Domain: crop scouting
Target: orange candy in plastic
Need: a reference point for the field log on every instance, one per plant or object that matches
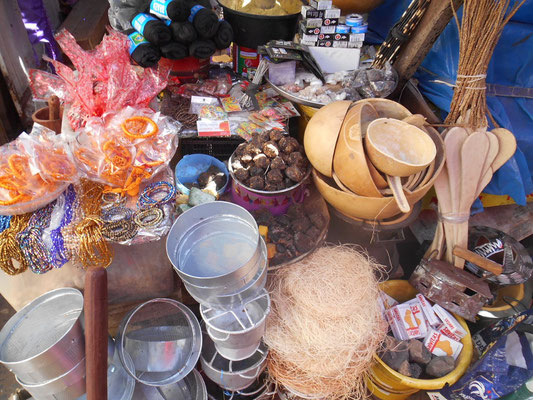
(135, 127)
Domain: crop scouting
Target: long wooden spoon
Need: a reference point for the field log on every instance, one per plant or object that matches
(473, 154)
(453, 142)
(507, 146)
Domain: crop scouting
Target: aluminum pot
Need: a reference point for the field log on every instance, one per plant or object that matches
(210, 297)
(232, 375)
(237, 333)
(192, 387)
(215, 245)
(44, 340)
(68, 386)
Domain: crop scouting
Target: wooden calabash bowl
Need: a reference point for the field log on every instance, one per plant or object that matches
(397, 148)
(321, 135)
(349, 161)
(375, 208)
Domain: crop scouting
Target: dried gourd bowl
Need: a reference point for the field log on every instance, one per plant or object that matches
(320, 140)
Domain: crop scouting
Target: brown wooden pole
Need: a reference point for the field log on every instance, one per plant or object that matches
(437, 16)
(95, 303)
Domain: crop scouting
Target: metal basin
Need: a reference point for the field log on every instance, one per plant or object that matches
(232, 375)
(215, 245)
(192, 387)
(68, 386)
(233, 298)
(163, 339)
(44, 340)
(237, 333)
(150, 347)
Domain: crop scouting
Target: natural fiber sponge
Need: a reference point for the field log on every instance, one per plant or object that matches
(325, 324)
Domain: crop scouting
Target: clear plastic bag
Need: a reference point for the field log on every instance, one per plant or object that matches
(129, 208)
(104, 80)
(34, 169)
(126, 148)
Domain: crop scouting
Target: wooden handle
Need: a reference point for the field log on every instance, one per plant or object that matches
(395, 185)
(482, 262)
(95, 302)
(53, 108)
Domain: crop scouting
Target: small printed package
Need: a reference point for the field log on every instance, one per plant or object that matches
(385, 301)
(451, 323)
(411, 319)
(310, 12)
(442, 328)
(312, 23)
(441, 345)
(321, 4)
(394, 324)
(430, 315)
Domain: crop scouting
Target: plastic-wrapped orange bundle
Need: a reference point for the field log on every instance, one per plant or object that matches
(124, 149)
(34, 169)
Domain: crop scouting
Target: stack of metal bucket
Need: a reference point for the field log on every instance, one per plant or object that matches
(217, 251)
(44, 346)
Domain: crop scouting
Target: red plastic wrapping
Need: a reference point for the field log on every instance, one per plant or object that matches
(104, 79)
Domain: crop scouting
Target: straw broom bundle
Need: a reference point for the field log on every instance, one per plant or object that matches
(480, 31)
(471, 152)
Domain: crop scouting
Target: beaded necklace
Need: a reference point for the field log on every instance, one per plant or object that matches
(5, 221)
(35, 252)
(93, 249)
(58, 251)
(9, 246)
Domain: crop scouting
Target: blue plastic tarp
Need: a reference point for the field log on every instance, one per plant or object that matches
(509, 86)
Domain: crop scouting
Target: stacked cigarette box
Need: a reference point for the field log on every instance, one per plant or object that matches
(323, 26)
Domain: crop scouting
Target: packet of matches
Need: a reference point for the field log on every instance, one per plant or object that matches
(430, 315)
(441, 345)
(411, 320)
(451, 323)
(394, 325)
(442, 328)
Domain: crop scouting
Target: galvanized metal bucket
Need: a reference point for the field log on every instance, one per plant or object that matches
(237, 333)
(215, 245)
(232, 375)
(210, 297)
(68, 386)
(192, 387)
(44, 340)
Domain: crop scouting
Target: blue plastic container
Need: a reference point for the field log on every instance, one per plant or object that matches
(190, 167)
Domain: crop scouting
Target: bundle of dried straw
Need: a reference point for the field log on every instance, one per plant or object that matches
(482, 25)
(325, 325)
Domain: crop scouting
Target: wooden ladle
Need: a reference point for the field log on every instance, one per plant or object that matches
(398, 149)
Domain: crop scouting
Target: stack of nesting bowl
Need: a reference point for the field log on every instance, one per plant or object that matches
(218, 253)
(345, 176)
